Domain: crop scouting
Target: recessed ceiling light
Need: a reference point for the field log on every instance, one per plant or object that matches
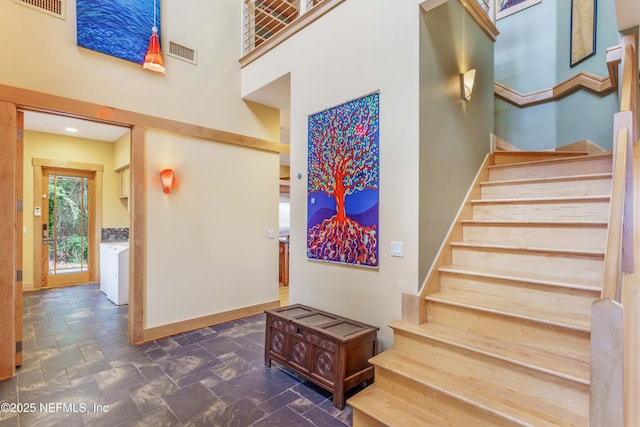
(73, 130)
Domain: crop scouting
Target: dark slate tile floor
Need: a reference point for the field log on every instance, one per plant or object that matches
(79, 370)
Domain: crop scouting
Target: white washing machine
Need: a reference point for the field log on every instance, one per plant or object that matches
(114, 271)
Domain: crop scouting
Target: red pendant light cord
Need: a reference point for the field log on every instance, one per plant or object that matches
(153, 59)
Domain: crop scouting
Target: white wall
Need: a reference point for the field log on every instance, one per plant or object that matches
(207, 247)
(359, 47)
(39, 52)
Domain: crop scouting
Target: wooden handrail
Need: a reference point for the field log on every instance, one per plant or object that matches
(607, 387)
(613, 254)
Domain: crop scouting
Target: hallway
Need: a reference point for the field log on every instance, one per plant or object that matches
(80, 370)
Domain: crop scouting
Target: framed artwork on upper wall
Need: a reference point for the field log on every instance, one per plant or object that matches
(342, 186)
(509, 7)
(117, 28)
(583, 30)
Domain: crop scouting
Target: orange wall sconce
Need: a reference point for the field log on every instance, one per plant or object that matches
(166, 178)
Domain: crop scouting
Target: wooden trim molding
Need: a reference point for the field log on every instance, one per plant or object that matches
(95, 223)
(583, 79)
(37, 101)
(202, 322)
(481, 18)
(287, 32)
(8, 152)
(137, 237)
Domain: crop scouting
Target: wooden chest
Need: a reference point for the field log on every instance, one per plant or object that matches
(326, 349)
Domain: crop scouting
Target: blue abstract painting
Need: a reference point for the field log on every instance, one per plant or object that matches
(119, 28)
(342, 187)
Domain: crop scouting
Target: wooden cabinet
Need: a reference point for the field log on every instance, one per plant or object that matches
(125, 181)
(328, 350)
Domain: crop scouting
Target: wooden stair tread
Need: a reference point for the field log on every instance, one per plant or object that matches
(548, 179)
(522, 276)
(497, 247)
(535, 223)
(548, 315)
(552, 161)
(392, 410)
(478, 389)
(528, 356)
(603, 197)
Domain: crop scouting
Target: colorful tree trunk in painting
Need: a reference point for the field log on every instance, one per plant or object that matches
(343, 183)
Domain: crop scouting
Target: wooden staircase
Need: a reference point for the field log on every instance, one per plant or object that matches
(506, 340)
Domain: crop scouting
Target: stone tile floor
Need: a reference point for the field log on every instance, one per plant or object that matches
(79, 370)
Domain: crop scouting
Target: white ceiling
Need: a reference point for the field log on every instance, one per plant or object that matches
(51, 123)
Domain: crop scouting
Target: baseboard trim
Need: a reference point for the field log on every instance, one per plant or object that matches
(163, 331)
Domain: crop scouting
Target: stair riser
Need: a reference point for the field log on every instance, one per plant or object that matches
(571, 301)
(510, 157)
(360, 419)
(566, 266)
(552, 169)
(588, 238)
(566, 342)
(567, 398)
(456, 411)
(543, 211)
(572, 188)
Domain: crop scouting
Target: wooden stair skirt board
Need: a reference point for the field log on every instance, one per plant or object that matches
(506, 340)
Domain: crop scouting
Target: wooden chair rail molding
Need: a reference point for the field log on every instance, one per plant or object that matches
(581, 80)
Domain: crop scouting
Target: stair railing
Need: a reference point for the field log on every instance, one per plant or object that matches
(615, 370)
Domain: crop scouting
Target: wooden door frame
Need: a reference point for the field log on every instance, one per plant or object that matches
(19, 233)
(13, 98)
(8, 238)
(95, 210)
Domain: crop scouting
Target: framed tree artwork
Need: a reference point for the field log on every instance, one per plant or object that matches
(583, 30)
(343, 179)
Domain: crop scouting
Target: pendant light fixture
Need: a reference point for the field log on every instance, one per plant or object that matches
(153, 59)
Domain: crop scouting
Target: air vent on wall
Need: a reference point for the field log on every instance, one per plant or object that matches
(182, 52)
(55, 8)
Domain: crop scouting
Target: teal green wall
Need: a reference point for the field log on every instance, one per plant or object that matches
(532, 54)
(454, 133)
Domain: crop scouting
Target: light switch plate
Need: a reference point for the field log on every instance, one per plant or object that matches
(271, 234)
(397, 249)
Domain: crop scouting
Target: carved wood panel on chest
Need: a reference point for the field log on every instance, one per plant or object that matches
(329, 350)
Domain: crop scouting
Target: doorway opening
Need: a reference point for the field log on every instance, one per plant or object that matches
(66, 227)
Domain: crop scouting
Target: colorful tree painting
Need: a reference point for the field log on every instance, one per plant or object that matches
(342, 222)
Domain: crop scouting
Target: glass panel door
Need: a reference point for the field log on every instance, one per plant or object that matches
(66, 230)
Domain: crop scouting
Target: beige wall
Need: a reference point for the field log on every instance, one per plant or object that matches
(207, 242)
(348, 53)
(46, 59)
(63, 148)
(229, 196)
(357, 49)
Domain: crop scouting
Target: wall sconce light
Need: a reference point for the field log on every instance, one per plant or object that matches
(466, 84)
(153, 59)
(166, 177)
